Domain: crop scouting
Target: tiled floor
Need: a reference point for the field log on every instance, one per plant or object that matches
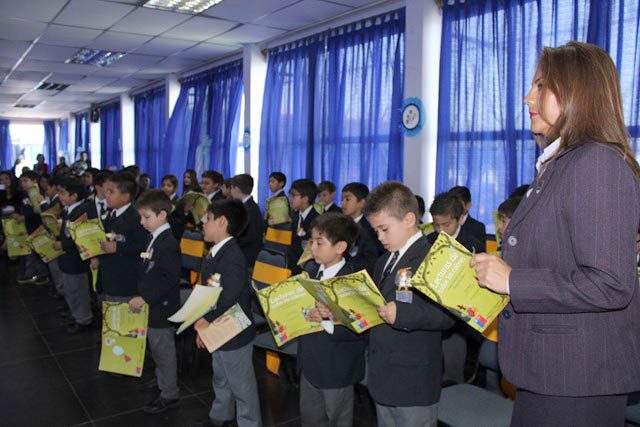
(49, 378)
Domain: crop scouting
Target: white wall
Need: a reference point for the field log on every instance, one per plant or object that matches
(127, 114)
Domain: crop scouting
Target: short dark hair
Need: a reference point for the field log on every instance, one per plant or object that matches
(44, 176)
(125, 182)
(327, 186)
(306, 188)
(145, 175)
(172, 179)
(154, 200)
(280, 177)
(520, 191)
(509, 206)
(101, 177)
(394, 198)
(337, 227)
(73, 185)
(358, 189)
(227, 182)
(234, 211)
(92, 171)
(133, 170)
(422, 208)
(447, 204)
(214, 176)
(461, 193)
(244, 182)
(29, 174)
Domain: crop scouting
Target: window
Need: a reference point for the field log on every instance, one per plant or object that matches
(28, 141)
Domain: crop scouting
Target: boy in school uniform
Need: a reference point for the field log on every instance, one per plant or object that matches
(118, 268)
(404, 370)
(447, 214)
(367, 248)
(250, 239)
(159, 287)
(52, 200)
(170, 188)
(234, 381)
(98, 203)
(226, 188)
(302, 194)
(332, 361)
(505, 212)
(327, 195)
(211, 183)
(75, 271)
(470, 225)
(277, 181)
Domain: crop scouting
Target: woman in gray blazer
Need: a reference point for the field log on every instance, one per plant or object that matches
(570, 337)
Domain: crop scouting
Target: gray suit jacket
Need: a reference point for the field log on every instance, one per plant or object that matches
(573, 325)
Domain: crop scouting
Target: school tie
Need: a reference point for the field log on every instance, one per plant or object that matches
(392, 263)
(101, 206)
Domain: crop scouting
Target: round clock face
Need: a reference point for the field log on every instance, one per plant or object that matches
(411, 116)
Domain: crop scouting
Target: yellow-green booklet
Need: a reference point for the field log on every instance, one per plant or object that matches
(427, 228)
(202, 300)
(200, 204)
(353, 299)
(446, 277)
(278, 211)
(35, 198)
(124, 339)
(286, 305)
(16, 234)
(52, 223)
(41, 242)
(87, 235)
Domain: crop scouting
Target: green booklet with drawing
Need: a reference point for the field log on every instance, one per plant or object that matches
(278, 211)
(87, 235)
(199, 202)
(427, 228)
(446, 277)
(124, 338)
(41, 242)
(286, 305)
(202, 300)
(16, 235)
(353, 299)
(35, 198)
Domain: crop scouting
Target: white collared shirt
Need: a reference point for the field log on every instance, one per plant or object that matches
(212, 195)
(278, 193)
(121, 210)
(216, 248)
(463, 219)
(173, 196)
(326, 208)
(246, 199)
(548, 152)
(357, 220)
(156, 233)
(404, 249)
(73, 206)
(457, 233)
(303, 215)
(331, 272)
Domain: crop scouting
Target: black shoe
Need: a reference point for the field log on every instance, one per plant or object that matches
(77, 328)
(27, 280)
(40, 280)
(160, 405)
(149, 386)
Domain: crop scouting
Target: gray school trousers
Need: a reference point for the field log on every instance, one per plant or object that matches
(56, 275)
(235, 387)
(325, 407)
(401, 416)
(163, 351)
(76, 293)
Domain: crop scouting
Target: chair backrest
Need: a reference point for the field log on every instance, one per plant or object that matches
(278, 238)
(192, 247)
(492, 246)
(488, 357)
(270, 268)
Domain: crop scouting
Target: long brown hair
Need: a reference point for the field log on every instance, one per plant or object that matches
(585, 82)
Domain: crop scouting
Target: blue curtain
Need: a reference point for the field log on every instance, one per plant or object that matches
(50, 144)
(6, 149)
(110, 136)
(195, 122)
(83, 135)
(63, 140)
(332, 105)
(488, 58)
(150, 124)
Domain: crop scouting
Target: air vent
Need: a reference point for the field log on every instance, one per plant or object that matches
(58, 87)
(25, 105)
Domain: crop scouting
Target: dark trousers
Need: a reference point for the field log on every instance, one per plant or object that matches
(537, 410)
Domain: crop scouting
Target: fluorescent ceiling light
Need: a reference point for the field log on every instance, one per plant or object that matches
(193, 7)
(101, 58)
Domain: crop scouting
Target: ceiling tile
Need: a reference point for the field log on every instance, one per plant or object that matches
(66, 78)
(19, 84)
(354, 3)
(69, 36)
(135, 61)
(35, 10)
(51, 53)
(8, 98)
(113, 89)
(118, 42)
(149, 21)
(128, 81)
(200, 28)
(7, 62)
(174, 64)
(164, 46)
(301, 14)
(20, 29)
(14, 49)
(29, 75)
(247, 33)
(207, 51)
(246, 10)
(92, 13)
(8, 90)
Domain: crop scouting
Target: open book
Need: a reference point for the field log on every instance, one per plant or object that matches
(202, 300)
(224, 328)
(87, 235)
(42, 243)
(446, 277)
(199, 202)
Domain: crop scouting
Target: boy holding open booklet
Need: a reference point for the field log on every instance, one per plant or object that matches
(234, 381)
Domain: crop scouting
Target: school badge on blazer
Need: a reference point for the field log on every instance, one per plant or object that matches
(403, 282)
